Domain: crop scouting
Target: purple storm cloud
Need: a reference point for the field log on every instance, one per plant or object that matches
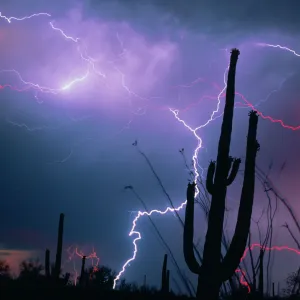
(96, 77)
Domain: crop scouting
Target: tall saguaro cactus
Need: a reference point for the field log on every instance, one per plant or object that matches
(59, 246)
(220, 175)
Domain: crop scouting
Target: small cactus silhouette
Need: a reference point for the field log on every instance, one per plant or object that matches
(165, 276)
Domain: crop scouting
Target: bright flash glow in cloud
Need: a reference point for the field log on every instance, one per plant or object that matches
(104, 61)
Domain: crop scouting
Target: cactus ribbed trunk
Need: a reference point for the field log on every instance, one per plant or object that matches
(220, 175)
(168, 281)
(47, 263)
(212, 247)
(59, 246)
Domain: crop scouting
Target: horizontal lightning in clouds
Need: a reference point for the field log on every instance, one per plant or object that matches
(280, 47)
(9, 19)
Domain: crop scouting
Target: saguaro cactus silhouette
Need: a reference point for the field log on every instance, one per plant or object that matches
(82, 273)
(59, 246)
(47, 263)
(165, 276)
(168, 281)
(220, 175)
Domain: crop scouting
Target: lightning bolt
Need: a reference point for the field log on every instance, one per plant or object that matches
(140, 214)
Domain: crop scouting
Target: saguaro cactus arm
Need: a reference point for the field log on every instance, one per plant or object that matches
(210, 177)
(229, 163)
(188, 232)
(234, 170)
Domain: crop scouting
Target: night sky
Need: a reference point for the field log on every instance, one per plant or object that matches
(68, 147)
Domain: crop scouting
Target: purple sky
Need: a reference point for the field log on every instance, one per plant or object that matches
(68, 147)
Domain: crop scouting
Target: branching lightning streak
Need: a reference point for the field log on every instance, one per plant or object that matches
(74, 251)
(91, 63)
(89, 60)
(133, 231)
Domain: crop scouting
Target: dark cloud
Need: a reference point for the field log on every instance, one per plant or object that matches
(214, 16)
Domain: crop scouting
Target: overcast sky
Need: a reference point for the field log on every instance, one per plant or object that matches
(67, 145)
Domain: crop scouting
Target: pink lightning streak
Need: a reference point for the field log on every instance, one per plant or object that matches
(73, 252)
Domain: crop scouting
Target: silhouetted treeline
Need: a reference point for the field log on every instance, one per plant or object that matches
(33, 283)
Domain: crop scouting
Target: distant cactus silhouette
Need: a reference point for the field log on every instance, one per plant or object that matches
(168, 281)
(165, 276)
(66, 278)
(57, 268)
(220, 174)
(82, 273)
(47, 263)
